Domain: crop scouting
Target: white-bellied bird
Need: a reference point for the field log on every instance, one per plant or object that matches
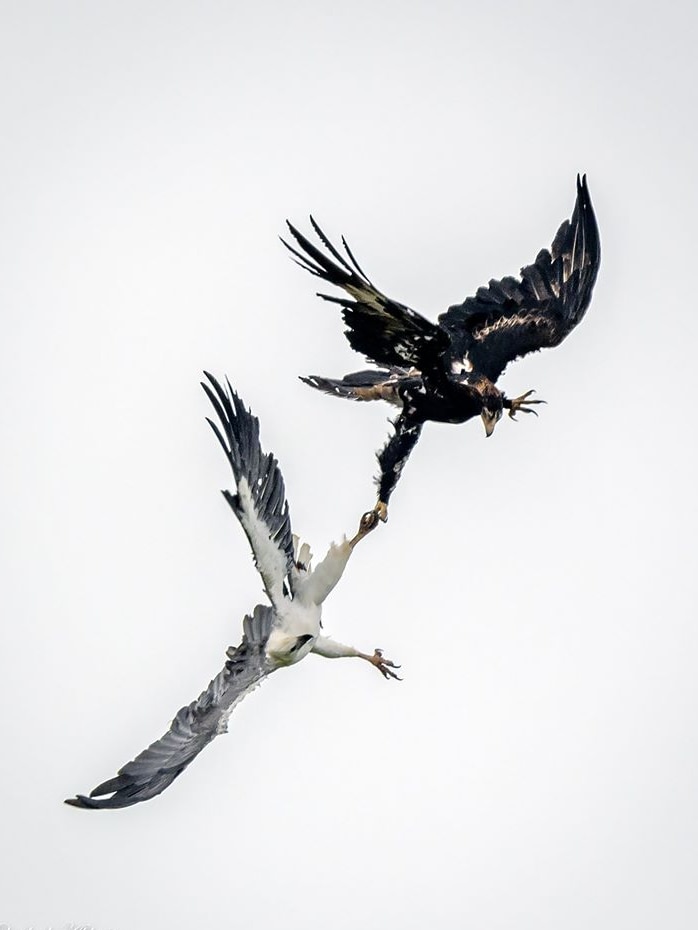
(275, 635)
(447, 371)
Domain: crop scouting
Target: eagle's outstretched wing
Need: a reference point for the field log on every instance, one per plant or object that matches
(385, 331)
(260, 502)
(512, 317)
(194, 727)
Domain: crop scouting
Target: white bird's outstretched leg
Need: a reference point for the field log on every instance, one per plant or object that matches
(326, 575)
(369, 521)
(331, 649)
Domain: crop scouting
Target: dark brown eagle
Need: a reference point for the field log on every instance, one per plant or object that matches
(447, 371)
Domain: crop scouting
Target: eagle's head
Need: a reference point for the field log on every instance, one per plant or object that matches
(490, 418)
(491, 401)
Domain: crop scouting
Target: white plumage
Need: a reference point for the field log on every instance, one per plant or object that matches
(273, 636)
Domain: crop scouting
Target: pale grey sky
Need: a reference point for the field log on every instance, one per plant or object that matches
(537, 768)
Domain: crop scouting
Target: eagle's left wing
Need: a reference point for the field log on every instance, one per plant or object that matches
(195, 725)
(260, 502)
(384, 330)
(513, 317)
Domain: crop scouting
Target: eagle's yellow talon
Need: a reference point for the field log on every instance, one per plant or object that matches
(521, 404)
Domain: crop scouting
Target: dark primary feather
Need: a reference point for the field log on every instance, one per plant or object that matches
(515, 316)
(239, 437)
(385, 331)
(194, 726)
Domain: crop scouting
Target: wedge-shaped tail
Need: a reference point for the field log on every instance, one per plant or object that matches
(360, 385)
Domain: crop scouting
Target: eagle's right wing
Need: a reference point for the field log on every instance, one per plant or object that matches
(194, 727)
(515, 316)
(260, 502)
(385, 331)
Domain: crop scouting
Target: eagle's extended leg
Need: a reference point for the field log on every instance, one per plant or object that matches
(392, 458)
(521, 404)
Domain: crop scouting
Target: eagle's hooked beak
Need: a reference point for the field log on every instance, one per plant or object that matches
(490, 421)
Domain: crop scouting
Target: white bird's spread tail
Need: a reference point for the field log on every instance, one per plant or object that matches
(302, 555)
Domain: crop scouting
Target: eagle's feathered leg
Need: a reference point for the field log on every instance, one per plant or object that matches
(392, 458)
(521, 404)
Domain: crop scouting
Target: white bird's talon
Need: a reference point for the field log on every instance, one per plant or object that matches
(384, 666)
(368, 523)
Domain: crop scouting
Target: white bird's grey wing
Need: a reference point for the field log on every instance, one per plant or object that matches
(260, 500)
(195, 725)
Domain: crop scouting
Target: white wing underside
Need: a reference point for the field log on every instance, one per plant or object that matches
(270, 560)
(259, 501)
(316, 585)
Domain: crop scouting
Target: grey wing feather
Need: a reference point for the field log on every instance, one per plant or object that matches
(385, 331)
(194, 726)
(515, 316)
(260, 499)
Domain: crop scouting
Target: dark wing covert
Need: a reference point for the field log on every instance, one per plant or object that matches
(385, 331)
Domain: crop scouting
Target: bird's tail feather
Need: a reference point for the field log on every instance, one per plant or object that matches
(360, 385)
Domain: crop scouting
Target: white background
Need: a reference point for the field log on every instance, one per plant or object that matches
(537, 767)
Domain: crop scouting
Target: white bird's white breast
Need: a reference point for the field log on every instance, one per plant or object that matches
(298, 619)
(294, 620)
